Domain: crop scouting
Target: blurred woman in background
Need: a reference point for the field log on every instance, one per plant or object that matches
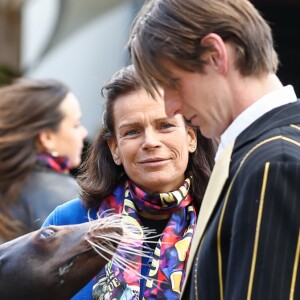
(41, 139)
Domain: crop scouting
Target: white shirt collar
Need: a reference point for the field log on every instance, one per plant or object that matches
(268, 102)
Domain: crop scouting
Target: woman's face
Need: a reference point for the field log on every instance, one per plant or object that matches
(153, 149)
(68, 140)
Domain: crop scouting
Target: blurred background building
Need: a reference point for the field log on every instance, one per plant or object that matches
(81, 42)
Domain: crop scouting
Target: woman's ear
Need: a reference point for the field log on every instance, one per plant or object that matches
(46, 141)
(217, 54)
(113, 147)
(192, 140)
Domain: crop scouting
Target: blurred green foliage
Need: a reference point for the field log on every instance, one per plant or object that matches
(7, 75)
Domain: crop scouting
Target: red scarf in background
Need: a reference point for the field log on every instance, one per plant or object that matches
(57, 163)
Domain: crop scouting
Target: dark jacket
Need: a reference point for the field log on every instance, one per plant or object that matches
(43, 191)
(251, 246)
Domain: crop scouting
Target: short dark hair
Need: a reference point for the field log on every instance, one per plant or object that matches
(99, 173)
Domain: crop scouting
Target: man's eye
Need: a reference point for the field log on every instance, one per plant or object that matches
(174, 84)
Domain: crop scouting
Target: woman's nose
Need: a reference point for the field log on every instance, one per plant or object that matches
(151, 139)
(84, 132)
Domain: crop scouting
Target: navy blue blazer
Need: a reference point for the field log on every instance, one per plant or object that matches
(251, 246)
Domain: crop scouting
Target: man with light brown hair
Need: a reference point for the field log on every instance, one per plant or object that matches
(216, 64)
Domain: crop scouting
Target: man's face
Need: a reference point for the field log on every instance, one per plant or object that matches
(199, 97)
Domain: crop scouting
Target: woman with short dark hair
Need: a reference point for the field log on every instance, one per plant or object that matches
(152, 170)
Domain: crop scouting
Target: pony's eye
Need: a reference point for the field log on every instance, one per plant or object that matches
(47, 233)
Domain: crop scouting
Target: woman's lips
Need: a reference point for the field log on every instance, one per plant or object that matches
(154, 161)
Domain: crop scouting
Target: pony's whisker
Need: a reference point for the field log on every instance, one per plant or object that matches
(132, 240)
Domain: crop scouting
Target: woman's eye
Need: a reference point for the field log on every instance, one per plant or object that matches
(130, 132)
(77, 125)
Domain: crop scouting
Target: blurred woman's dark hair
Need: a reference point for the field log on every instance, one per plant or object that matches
(26, 108)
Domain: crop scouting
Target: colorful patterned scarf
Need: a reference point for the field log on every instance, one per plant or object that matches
(166, 272)
(57, 163)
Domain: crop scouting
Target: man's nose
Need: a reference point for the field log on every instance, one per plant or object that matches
(172, 104)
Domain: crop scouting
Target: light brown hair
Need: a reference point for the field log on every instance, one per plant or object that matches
(173, 29)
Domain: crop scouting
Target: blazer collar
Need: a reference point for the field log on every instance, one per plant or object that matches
(278, 117)
(217, 180)
(281, 116)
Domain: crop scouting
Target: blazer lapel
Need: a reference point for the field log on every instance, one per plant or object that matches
(217, 180)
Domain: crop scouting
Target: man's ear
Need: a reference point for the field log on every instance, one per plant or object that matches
(218, 53)
(113, 147)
